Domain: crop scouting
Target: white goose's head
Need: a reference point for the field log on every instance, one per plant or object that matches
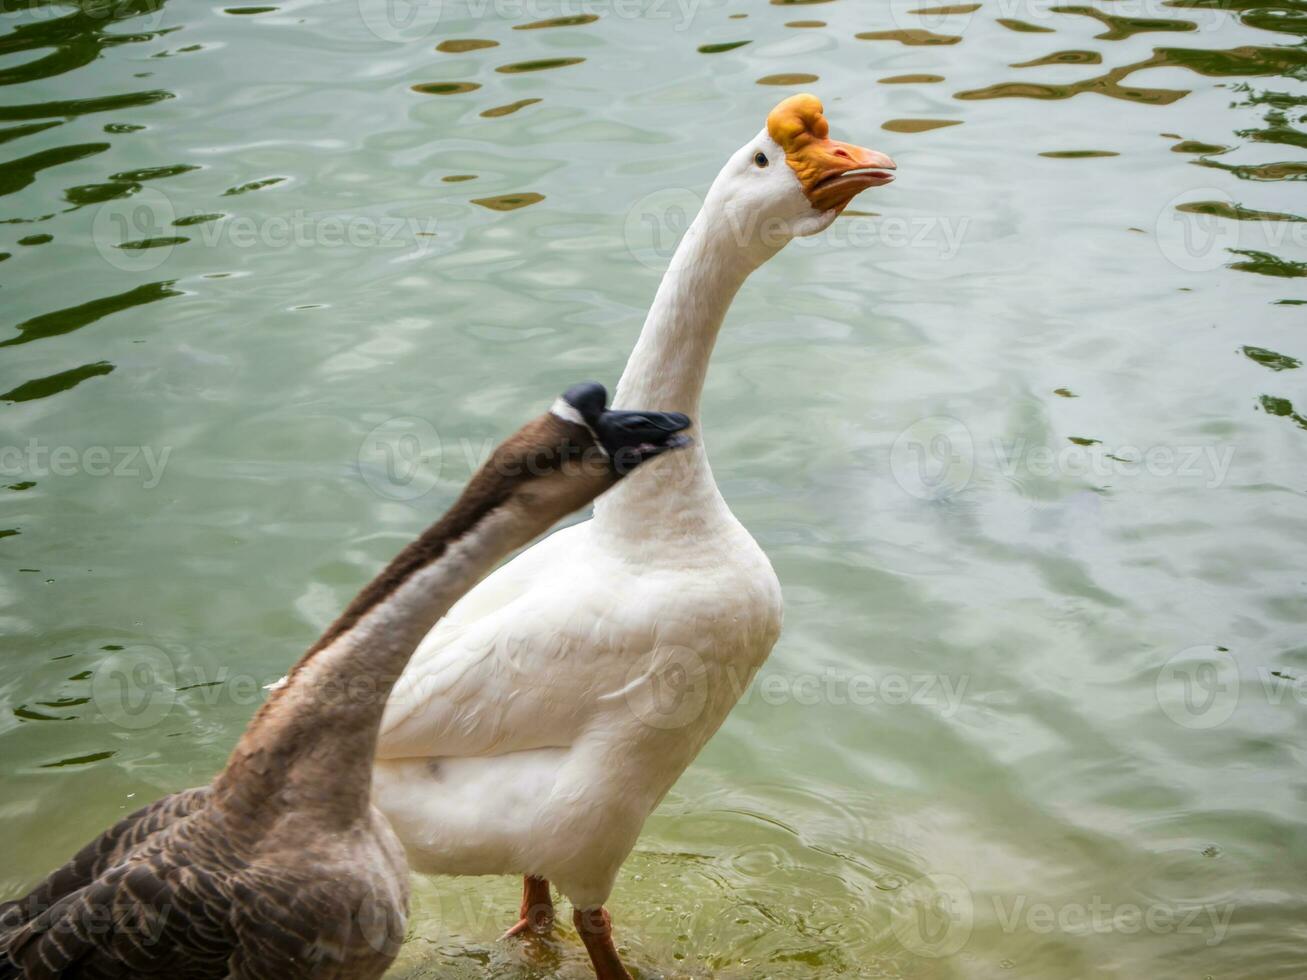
(792, 179)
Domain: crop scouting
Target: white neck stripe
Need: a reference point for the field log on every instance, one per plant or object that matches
(568, 413)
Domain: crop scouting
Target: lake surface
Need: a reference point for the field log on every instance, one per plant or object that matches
(1026, 440)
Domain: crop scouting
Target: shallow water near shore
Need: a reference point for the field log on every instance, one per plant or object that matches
(1024, 434)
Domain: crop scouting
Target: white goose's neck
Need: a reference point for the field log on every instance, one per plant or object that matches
(676, 496)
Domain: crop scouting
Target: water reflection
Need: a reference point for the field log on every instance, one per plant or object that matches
(1078, 351)
(788, 78)
(576, 20)
(1271, 359)
(1062, 58)
(1119, 28)
(77, 38)
(913, 37)
(509, 202)
(53, 384)
(1023, 27)
(59, 322)
(1266, 264)
(462, 46)
(508, 110)
(445, 88)
(1077, 154)
(917, 125)
(540, 64)
(722, 47)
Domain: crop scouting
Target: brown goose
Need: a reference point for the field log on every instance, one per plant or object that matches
(281, 867)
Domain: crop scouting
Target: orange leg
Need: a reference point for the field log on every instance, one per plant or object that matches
(537, 913)
(596, 929)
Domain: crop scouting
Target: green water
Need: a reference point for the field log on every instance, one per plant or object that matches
(1027, 445)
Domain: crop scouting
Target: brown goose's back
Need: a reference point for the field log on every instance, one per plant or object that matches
(180, 890)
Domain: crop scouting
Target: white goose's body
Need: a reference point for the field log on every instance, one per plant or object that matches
(537, 727)
(556, 744)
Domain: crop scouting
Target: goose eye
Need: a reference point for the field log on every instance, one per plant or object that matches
(760, 158)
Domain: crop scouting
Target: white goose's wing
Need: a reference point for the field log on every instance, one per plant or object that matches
(517, 664)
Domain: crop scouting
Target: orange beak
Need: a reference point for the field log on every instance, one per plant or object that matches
(834, 173)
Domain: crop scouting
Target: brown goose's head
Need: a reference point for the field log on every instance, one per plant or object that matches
(562, 460)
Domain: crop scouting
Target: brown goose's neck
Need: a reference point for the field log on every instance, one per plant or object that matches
(311, 746)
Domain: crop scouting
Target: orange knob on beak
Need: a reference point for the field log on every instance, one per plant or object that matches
(831, 173)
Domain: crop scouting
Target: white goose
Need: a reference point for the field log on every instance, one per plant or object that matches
(539, 724)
